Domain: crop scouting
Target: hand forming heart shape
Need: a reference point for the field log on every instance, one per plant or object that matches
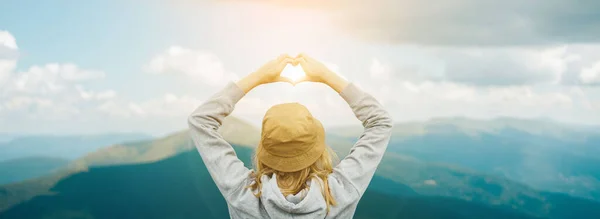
(309, 70)
(285, 69)
(293, 72)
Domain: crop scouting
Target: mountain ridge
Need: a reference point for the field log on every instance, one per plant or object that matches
(63, 146)
(419, 175)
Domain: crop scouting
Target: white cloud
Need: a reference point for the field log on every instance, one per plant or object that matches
(379, 71)
(490, 66)
(8, 40)
(477, 82)
(413, 98)
(198, 65)
(44, 92)
(170, 105)
(409, 99)
(71, 72)
(6, 67)
(107, 94)
(113, 109)
(136, 109)
(167, 106)
(58, 92)
(49, 78)
(8, 45)
(92, 95)
(591, 75)
(504, 66)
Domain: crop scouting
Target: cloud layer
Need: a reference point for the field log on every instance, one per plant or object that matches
(506, 66)
(421, 59)
(53, 91)
(463, 22)
(197, 65)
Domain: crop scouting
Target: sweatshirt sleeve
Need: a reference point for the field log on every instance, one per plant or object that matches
(225, 168)
(364, 157)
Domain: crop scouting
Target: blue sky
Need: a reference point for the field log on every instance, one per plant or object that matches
(106, 66)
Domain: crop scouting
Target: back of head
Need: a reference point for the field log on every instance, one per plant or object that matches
(292, 147)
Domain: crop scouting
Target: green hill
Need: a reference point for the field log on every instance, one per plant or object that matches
(126, 153)
(177, 188)
(25, 168)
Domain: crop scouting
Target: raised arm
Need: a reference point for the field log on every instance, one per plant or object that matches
(359, 166)
(220, 159)
(228, 172)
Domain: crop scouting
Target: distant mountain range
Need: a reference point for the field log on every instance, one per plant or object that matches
(20, 169)
(543, 154)
(440, 169)
(66, 147)
(5, 137)
(25, 157)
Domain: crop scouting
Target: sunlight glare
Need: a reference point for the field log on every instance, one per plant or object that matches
(295, 73)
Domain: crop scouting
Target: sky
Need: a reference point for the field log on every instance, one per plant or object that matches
(69, 67)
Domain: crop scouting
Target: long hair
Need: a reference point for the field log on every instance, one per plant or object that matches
(294, 182)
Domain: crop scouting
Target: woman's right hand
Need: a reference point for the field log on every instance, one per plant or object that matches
(317, 72)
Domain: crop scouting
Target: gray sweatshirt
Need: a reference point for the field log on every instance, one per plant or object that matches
(347, 183)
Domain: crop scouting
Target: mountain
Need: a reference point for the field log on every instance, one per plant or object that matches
(543, 154)
(28, 157)
(30, 167)
(5, 137)
(177, 187)
(165, 178)
(67, 147)
(125, 153)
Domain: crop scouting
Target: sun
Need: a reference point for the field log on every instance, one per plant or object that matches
(295, 73)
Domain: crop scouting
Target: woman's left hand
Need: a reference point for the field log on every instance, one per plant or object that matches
(268, 73)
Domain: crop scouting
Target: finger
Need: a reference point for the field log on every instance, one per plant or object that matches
(280, 58)
(300, 55)
(295, 61)
(289, 60)
(285, 62)
(283, 57)
(301, 61)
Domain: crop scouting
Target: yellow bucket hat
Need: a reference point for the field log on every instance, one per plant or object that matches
(292, 139)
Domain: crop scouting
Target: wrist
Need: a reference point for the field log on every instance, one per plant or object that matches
(249, 82)
(335, 81)
(327, 77)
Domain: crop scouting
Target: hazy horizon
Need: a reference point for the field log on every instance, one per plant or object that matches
(13, 135)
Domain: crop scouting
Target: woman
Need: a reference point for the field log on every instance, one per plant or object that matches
(293, 176)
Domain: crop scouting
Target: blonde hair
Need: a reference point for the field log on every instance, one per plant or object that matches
(294, 182)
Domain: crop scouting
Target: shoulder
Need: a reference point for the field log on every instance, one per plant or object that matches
(243, 197)
(340, 186)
